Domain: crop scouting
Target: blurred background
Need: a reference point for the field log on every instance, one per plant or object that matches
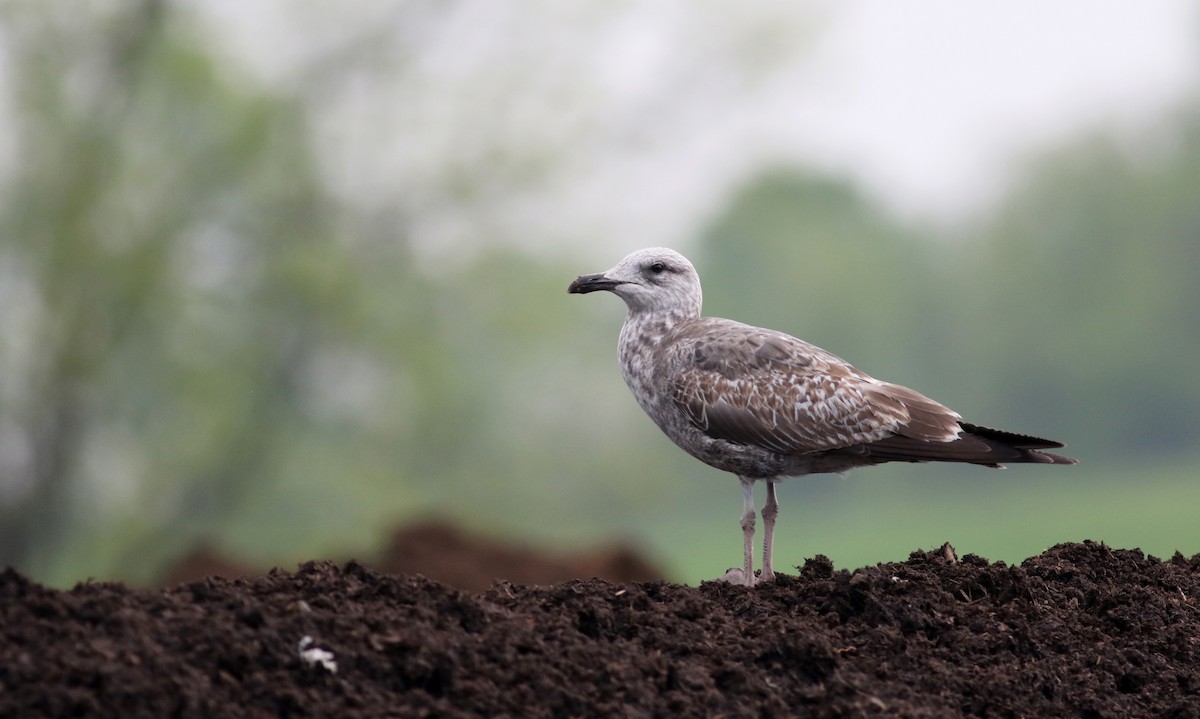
(278, 277)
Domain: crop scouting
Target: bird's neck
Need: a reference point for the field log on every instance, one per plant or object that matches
(645, 330)
(641, 337)
(650, 326)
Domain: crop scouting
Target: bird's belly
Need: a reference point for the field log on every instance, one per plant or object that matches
(755, 462)
(750, 461)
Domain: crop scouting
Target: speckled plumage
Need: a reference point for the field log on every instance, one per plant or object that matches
(763, 404)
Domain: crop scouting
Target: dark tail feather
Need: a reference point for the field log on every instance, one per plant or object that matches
(1023, 443)
(976, 445)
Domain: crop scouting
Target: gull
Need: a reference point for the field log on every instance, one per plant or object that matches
(764, 405)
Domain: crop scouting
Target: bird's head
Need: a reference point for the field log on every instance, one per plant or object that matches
(650, 280)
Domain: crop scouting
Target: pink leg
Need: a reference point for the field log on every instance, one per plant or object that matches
(748, 530)
(770, 510)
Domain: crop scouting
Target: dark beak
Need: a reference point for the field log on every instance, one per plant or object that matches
(592, 283)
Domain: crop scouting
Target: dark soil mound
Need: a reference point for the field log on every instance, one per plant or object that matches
(440, 550)
(1080, 631)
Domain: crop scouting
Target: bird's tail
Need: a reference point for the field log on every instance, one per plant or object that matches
(1026, 446)
(976, 445)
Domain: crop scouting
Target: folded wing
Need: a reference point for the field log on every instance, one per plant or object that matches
(767, 389)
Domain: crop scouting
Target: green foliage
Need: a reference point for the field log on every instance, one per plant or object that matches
(170, 227)
(1090, 266)
(217, 351)
(1071, 313)
(812, 257)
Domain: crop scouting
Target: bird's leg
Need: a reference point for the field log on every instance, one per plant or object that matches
(748, 530)
(770, 510)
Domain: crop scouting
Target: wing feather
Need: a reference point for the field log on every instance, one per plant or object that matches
(764, 388)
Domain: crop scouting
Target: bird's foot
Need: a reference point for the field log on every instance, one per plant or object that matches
(735, 575)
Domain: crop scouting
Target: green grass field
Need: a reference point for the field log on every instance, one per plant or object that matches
(883, 513)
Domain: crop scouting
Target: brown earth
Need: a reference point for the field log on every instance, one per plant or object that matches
(438, 549)
(1079, 631)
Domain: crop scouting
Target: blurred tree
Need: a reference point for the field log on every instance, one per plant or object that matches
(811, 256)
(1097, 250)
(1070, 312)
(200, 344)
(169, 245)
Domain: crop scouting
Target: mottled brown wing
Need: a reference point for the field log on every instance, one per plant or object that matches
(754, 386)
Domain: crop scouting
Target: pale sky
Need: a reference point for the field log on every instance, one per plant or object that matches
(623, 125)
(928, 101)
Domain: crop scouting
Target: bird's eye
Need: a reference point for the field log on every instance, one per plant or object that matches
(658, 268)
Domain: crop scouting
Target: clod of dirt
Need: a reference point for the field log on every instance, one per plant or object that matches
(1081, 630)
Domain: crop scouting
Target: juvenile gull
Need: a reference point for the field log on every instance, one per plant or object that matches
(765, 405)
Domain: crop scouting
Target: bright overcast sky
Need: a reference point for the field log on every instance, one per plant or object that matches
(648, 108)
(927, 100)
